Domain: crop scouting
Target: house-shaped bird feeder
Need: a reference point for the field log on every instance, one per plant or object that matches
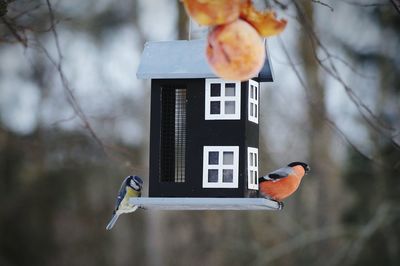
(203, 132)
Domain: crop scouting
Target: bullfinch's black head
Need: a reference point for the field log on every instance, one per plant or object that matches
(135, 182)
(304, 165)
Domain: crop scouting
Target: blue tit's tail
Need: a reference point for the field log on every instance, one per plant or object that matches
(114, 219)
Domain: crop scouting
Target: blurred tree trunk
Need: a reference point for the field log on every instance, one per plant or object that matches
(156, 222)
(322, 208)
(153, 220)
(182, 23)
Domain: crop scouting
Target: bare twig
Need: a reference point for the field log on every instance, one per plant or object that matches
(70, 96)
(55, 123)
(14, 32)
(367, 114)
(350, 250)
(367, 231)
(348, 65)
(323, 4)
(280, 4)
(300, 241)
(314, 106)
(396, 4)
(23, 13)
(337, 257)
(111, 151)
(53, 30)
(359, 4)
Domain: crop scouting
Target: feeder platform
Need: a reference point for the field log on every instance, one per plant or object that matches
(205, 203)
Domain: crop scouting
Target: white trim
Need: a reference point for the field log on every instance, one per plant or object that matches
(221, 166)
(252, 168)
(222, 99)
(254, 98)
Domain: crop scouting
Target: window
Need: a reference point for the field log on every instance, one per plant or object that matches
(220, 166)
(252, 168)
(173, 135)
(253, 101)
(222, 100)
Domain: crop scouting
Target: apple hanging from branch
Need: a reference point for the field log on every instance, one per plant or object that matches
(235, 50)
(212, 12)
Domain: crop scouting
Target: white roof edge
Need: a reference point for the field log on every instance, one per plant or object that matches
(182, 59)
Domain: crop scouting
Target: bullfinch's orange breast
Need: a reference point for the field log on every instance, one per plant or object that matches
(280, 189)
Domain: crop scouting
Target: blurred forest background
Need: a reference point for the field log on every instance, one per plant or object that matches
(74, 121)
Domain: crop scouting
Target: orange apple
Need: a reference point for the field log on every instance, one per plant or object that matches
(265, 22)
(235, 51)
(212, 12)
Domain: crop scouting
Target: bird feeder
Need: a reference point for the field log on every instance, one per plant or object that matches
(204, 132)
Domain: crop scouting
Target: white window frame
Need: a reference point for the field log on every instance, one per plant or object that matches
(254, 102)
(222, 99)
(220, 166)
(252, 169)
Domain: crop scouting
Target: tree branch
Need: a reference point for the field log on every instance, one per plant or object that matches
(323, 4)
(112, 152)
(300, 241)
(367, 114)
(70, 96)
(363, 4)
(314, 106)
(396, 4)
(281, 5)
(14, 32)
(365, 232)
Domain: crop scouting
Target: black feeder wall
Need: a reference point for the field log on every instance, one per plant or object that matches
(194, 115)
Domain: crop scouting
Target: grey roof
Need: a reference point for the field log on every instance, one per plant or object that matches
(182, 59)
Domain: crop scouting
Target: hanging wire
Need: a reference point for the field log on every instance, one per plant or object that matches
(190, 28)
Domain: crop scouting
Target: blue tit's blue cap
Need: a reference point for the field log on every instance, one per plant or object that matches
(138, 180)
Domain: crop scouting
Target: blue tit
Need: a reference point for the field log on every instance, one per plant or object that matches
(131, 187)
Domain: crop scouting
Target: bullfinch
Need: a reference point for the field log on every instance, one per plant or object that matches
(131, 187)
(281, 183)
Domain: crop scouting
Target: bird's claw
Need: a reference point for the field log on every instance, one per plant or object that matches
(280, 204)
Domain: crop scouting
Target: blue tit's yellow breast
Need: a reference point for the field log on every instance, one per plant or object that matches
(130, 192)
